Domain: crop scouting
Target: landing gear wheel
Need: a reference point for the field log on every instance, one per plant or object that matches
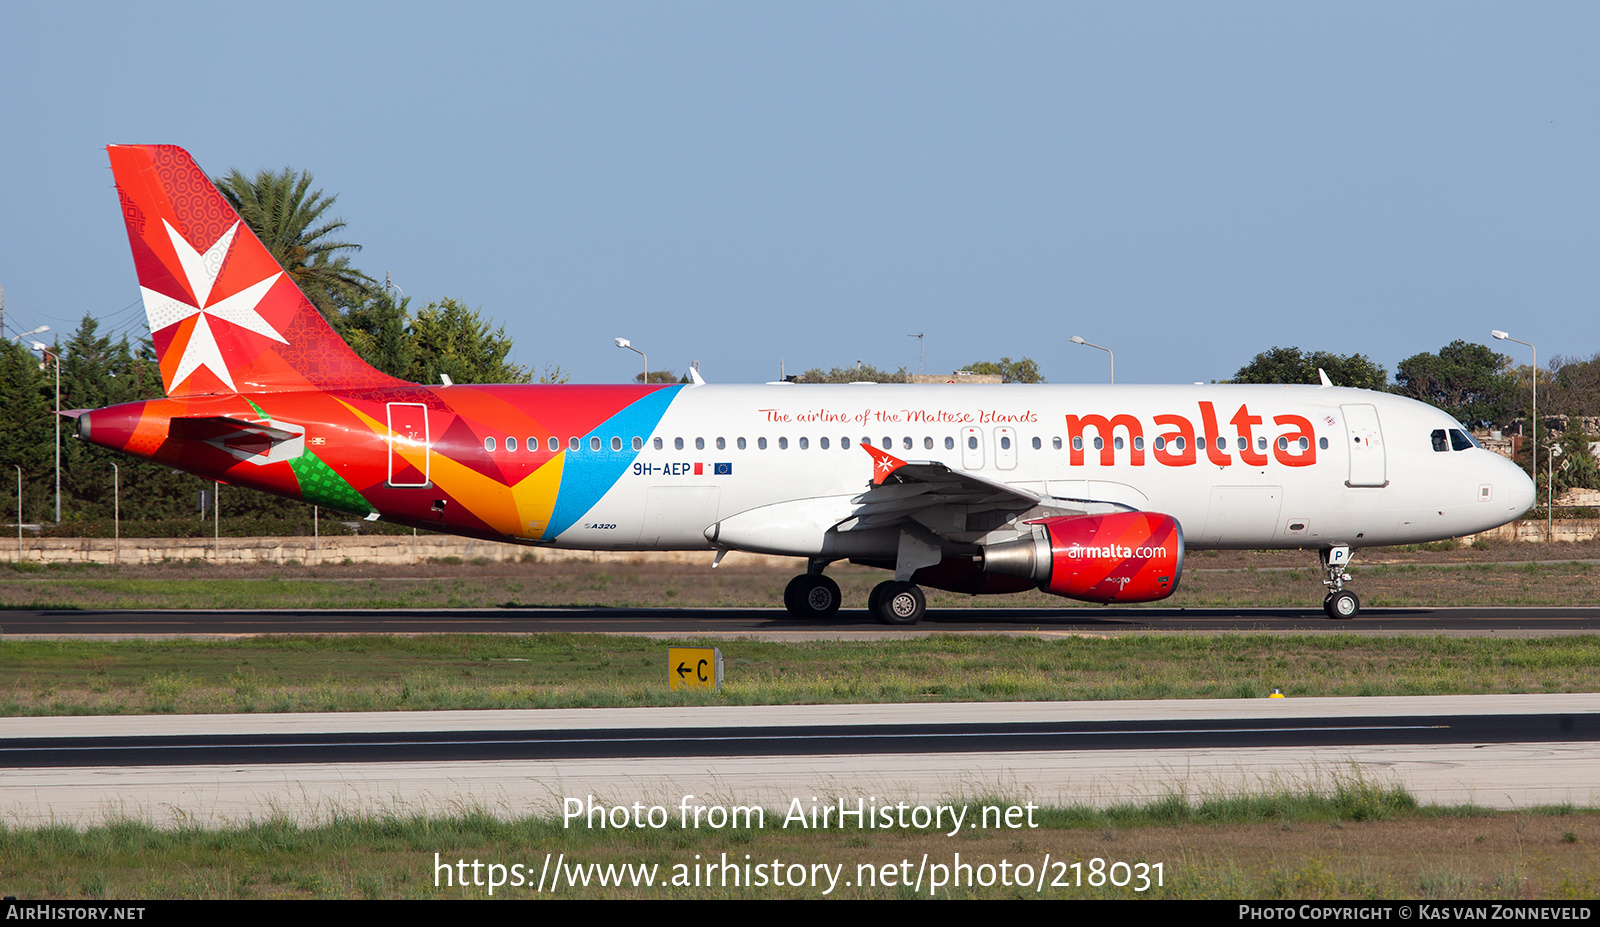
(1341, 605)
(900, 603)
(811, 595)
(875, 597)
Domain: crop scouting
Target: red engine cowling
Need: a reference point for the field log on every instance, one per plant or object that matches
(1120, 557)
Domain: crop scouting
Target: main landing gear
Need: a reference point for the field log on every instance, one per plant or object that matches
(812, 596)
(896, 602)
(1340, 602)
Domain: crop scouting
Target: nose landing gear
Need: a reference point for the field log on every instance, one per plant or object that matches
(1340, 603)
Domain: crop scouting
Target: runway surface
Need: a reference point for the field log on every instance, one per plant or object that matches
(848, 624)
(1499, 751)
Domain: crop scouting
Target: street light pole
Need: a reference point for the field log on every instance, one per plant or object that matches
(1077, 340)
(43, 349)
(116, 513)
(1533, 461)
(625, 343)
(1550, 492)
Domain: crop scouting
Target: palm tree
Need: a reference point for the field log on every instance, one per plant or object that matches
(284, 212)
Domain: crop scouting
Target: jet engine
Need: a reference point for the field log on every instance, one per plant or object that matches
(1119, 557)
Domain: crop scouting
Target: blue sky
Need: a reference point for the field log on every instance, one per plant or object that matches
(748, 184)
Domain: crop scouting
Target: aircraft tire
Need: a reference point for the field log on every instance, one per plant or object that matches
(901, 603)
(811, 596)
(875, 597)
(1341, 606)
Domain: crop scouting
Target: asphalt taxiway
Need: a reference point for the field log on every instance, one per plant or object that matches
(738, 622)
(1505, 751)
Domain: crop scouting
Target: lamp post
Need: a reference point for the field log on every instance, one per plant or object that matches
(1533, 461)
(1077, 340)
(116, 513)
(39, 330)
(42, 348)
(625, 343)
(1550, 491)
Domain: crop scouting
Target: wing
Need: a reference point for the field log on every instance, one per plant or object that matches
(955, 504)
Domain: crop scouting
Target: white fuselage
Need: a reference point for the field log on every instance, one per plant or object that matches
(778, 468)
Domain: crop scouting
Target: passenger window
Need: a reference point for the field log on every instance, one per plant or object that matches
(1037, 444)
(722, 444)
(887, 443)
(822, 443)
(677, 444)
(1243, 444)
(805, 443)
(1055, 443)
(927, 444)
(1305, 444)
(1077, 442)
(844, 443)
(699, 444)
(616, 443)
(972, 442)
(761, 444)
(594, 443)
(1283, 444)
(572, 443)
(1322, 443)
(1117, 443)
(1161, 443)
(1261, 443)
(905, 443)
(488, 443)
(741, 444)
(949, 444)
(1138, 443)
(783, 444)
(1005, 443)
(1180, 443)
(1099, 443)
(657, 444)
(511, 443)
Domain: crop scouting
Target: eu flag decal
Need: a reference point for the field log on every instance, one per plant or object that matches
(722, 469)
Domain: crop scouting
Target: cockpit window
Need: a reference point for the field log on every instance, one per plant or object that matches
(1440, 442)
(1460, 440)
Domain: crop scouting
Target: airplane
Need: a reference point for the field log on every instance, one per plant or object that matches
(1092, 493)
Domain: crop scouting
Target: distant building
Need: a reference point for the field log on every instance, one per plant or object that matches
(960, 376)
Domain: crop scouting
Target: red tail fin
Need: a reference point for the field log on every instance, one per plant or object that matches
(224, 316)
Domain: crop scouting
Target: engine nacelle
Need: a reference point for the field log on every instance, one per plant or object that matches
(1120, 557)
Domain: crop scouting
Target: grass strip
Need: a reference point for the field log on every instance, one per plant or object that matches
(1342, 838)
(1212, 579)
(456, 671)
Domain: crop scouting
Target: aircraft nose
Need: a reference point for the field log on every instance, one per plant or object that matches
(1513, 488)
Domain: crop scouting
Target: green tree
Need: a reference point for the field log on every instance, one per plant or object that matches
(1009, 371)
(450, 339)
(1572, 387)
(658, 376)
(1467, 380)
(287, 215)
(861, 373)
(378, 329)
(26, 432)
(1291, 365)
